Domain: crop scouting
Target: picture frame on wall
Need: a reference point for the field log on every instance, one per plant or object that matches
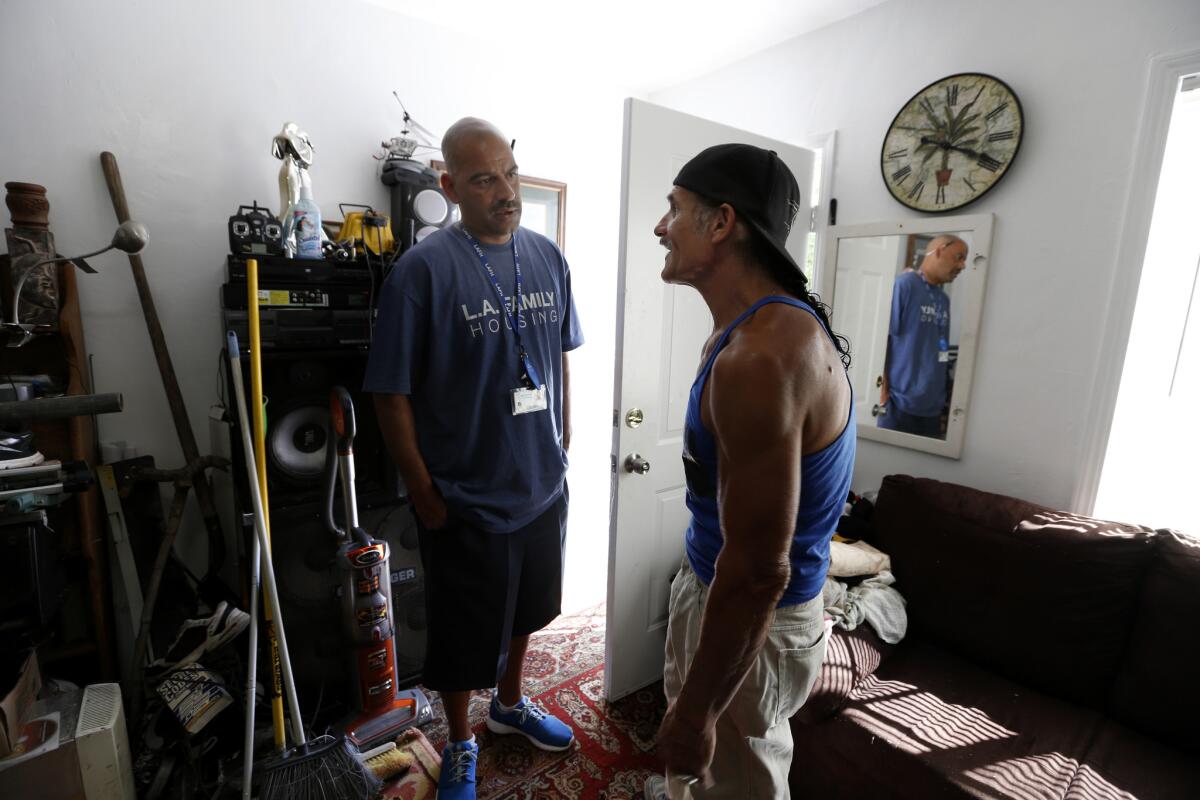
(543, 206)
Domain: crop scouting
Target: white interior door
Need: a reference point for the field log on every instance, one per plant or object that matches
(866, 272)
(660, 332)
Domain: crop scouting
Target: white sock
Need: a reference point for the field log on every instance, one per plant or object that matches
(508, 709)
(459, 745)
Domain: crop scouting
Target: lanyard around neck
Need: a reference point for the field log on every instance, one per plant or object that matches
(513, 312)
(491, 274)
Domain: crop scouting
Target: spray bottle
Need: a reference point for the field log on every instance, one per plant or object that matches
(302, 229)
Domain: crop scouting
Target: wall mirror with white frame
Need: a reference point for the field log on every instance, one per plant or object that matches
(908, 295)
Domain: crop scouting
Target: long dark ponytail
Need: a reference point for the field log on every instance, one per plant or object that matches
(758, 250)
(794, 283)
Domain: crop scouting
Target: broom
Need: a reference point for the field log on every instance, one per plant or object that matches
(327, 767)
(260, 467)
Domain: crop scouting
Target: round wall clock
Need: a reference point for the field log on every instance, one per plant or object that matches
(952, 142)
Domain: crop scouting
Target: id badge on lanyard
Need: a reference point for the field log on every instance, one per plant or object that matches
(526, 401)
(530, 396)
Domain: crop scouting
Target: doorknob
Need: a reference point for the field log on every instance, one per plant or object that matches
(635, 463)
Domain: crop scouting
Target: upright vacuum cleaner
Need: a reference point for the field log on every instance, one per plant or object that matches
(381, 711)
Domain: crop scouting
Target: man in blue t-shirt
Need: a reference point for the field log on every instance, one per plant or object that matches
(918, 348)
(469, 370)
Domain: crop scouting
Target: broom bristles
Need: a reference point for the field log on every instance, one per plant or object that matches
(327, 767)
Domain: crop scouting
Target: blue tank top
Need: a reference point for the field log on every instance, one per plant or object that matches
(824, 484)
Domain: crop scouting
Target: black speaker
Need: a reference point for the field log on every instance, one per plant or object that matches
(296, 387)
(419, 206)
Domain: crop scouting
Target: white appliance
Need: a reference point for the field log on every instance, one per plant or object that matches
(74, 745)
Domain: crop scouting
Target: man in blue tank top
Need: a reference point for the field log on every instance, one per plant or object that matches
(469, 371)
(769, 451)
(917, 364)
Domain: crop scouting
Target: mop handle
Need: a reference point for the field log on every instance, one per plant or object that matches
(251, 665)
(268, 567)
(252, 657)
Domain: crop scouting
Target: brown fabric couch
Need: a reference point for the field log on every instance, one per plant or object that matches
(1048, 656)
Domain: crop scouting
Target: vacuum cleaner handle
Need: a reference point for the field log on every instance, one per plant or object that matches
(341, 412)
(331, 471)
(342, 425)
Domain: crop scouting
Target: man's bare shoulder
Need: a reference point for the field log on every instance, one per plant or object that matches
(755, 376)
(783, 337)
(788, 372)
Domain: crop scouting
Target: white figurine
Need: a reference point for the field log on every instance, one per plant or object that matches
(292, 146)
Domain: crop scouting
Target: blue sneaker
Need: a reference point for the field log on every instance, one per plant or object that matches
(533, 722)
(655, 788)
(457, 781)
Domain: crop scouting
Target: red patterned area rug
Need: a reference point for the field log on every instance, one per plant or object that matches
(614, 742)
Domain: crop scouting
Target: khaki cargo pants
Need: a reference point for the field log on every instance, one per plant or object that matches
(754, 739)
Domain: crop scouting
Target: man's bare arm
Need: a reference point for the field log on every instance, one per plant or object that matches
(758, 427)
(400, 434)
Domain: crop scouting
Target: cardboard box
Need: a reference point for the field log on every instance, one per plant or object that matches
(48, 765)
(19, 697)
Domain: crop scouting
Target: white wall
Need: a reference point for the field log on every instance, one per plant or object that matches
(188, 97)
(1079, 68)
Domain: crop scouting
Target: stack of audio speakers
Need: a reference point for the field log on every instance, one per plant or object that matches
(315, 330)
(419, 206)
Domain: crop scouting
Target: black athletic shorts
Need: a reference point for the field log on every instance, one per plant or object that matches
(482, 589)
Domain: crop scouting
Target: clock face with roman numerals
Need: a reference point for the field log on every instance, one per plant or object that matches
(952, 142)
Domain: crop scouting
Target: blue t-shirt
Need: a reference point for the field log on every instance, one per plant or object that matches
(443, 338)
(824, 484)
(918, 334)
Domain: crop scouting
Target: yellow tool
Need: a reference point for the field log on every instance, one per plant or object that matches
(369, 226)
(260, 458)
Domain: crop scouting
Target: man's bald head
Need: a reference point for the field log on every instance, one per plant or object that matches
(461, 134)
(944, 239)
(482, 178)
(945, 257)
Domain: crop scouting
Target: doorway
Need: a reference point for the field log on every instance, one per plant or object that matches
(661, 329)
(1148, 471)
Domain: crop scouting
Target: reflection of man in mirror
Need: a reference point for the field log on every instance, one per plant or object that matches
(917, 364)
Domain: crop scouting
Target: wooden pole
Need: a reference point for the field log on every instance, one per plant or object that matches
(60, 407)
(183, 428)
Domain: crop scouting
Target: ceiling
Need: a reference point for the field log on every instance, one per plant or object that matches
(638, 45)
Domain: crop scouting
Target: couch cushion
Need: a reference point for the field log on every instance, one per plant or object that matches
(929, 724)
(1156, 690)
(1137, 765)
(1043, 597)
(850, 656)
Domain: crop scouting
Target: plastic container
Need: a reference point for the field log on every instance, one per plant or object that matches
(305, 225)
